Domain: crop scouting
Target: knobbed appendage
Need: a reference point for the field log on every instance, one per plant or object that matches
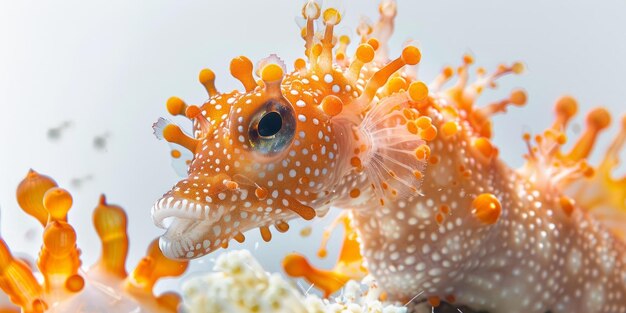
(272, 71)
(59, 257)
(19, 283)
(110, 223)
(349, 265)
(597, 120)
(411, 55)
(486, 208)
(363, 55)
(241, 69)
(207, 79)
(30, 195)
(173, 133)
(310, 11)
(153, 267)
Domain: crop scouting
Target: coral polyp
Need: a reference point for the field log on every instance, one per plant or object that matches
(59, 283)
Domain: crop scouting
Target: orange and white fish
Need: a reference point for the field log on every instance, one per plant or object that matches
(431, 209)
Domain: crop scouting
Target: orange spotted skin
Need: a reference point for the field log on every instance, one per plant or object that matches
(293, 181)
(434, 210)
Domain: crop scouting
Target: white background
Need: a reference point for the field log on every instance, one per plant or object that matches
(109, 66)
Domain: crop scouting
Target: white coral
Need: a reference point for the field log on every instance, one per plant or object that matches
(239, 284)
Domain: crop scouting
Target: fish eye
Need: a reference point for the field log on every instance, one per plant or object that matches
(272, 127)
(270, 124)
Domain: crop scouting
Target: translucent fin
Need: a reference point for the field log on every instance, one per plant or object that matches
(397, 152)
(159, 126)
(181, 158)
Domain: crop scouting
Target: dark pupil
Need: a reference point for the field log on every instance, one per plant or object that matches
(270, 124)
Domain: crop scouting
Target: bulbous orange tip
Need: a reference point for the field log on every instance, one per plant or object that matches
(418, 91)
(411, 127)
(316, 50)
(282, 227)
(239, 237)
(265, 233)
(296, 265)
(450, 128)
(58, 202)
(411, 55)
(332, 16)
(355, 162)
(206, 75)
(240, 64)
(484, 146)
(170, 300)
(176, 106)
(271, 72)
(322, 253)
(468, 59)
(518, 67)
(299, 64)
(365, 53)
(486, 208)
(175, 154)
(567, 106)
(424, 122)
(192, 111)
(410, 114)
(418, 174)
(599, 118)
(448, 71)
(567, 205)
(30, 194)
(374, 43)
(355, 193)
(396, 84)
(434, 301)
(422, 152)
(39, 306)
(75, 283)
(429, 133)
(332, 105)
(518, 97)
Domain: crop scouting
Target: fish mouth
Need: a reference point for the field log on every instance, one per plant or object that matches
(190, 226)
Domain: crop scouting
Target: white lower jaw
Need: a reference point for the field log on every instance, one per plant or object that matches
(187, 223)
(185, 238)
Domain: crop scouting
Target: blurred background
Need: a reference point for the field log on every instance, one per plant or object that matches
(81, 83)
